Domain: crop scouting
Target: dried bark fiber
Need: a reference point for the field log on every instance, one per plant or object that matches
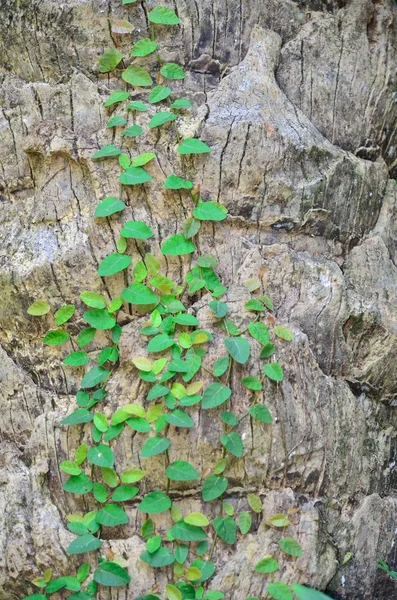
(298, 102)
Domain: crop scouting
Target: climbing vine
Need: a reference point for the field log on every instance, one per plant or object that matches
(170, 370)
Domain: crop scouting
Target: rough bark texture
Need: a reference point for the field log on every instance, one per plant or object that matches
(298, 102)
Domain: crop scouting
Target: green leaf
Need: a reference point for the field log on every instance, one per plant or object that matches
(290, 546)
(115, 97)
(193, 146)
(137, 230)
(83, 571)
(116, 121)
(124, 493)
(283, 332)
(101, 456)
(157, 391)
(67, 582)
(85, 543)
(110, 477)
(56, 337)
(197, 518)
(132, 132)
(220, 366)
(143, 47)
(161, 558)
(274, 371)
(185, 319)
(139, 424)
(163, 16)
(255, 502)
(128, 1)
(112, 264)
(121, 245)
(215, 395)
(252, 383)
(238, 348)
(135, 176)
(124, 161)
(179, 418)
(39, 308)
(64, 314)
(305, 593)
(229, 418)
(85, 336)
(155, 445)
(233, 443)
(172, 71)
(259, 332)
(160, 118)
(213, 487)
(187, 533)
(173, 182)
(93, 299)
(70, 467)
(155, 502)
(36, 597)
(76, 359)
(94, 376)
(143, 159)
(181, 103)
(153, 543)
(190, 227)
(99, 318)
(159, 343)
(81, 451)
(109, 60)
(112, 515)
(226, 528)
(244, 522)
(159, 93)
(107, 152)
(137, 76)
(279, 591)
(254, 305)
(279, 520)
(137, 105)
(181, 470)
(111, 574)
(267, 350)
(78, 484)
(207, 569)
(132, 475)
(209, 211)
(266, 565)
(81, 415)
(100, 492)
(260, 413)
(108, 207)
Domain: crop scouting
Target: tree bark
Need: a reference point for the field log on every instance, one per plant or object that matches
(298, 103)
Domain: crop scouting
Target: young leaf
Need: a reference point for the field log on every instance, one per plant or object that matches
(214, 486)
(252, 383)
(226, 528)
(108, 207)
(283, 332)
(163, 16)
(177, 245)
(124, 493)
(77, 417)
(155, 445)
(93, 299)
(193, 146)
(78, 484)
(39, 308)
(190, 227)
(244, 522)
(76, 359)
(173, 182)
(56, 337)
(255, 502)
(229, 418)
(135, 176)
(207, 569)
(161, 558)
(155, 502)
(254, 305)
(94, 376)
(121, 27)
(85, 543)
(179, 418)
(266, 565)
(143, 47)
(215, 395)
(233, 443)
(220, 366)
(70, 467)
(124, 161)
(106, 152)
(181, 470)
(159, 93)
(260, 413)
(279, 520)
(197, 518)
(137, 76)
(109, 60)
(116, 121)
(137, 105)
(160, 118)
(100, 492)
(209, 211)
(259, 332)
(143, 159)
(274, 371)
(117, 96)
(290, 546)
(238, 348)
(111, 574)
(172, 71)
(99, 318)
(159, 343)
(101, 456)
(279, 591)
(187, 533)
(132, 476)
(112, 264)
(181, 103)
(112, 515)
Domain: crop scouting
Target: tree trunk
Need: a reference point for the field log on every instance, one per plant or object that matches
(298, 103)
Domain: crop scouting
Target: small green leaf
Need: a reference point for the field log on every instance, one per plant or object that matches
(112, 264)
(100, 492)
(238, 348)
(160, 118)
(132, 476)
(135, 176)
(76, 359)
(185, 319)
(121, 245)
(124, 493)
(143, 47)
(70, 467)
(35, 597)
(283, 332)
(259, 332)
(190, 227)
(305, 593)
(187, 533)
(93, 299)
(177, 245)
(77, 417)
(172, 71)
(260, 413)
(229, 418)
(155, 445)
(78, 484)
(267, 350)
(279, 591)
(161, 558)
(193, 146)
(220, 366)
(279, 520)
(255, 502)
(179, 418)
(181, 103)
(109, 60)
(143, 159)
(155, 502)
(94, 376)
(233, 443)
(132, 132)
(163, 16)
(181, 470)
(215, 395)
(116, 121)
(266, 565)
(137, 105)
(56, 337)
(111, 574)
(218, 308)
(137, 76)
(159, 93)
(117, 96)
(112, 515)
(101, 456)
(39, 308)
(85, 336)
(252, 383)
(159, 343)
(197, 518)
(290, 546)
(85, 543)
(173, 182)
(213, 487)
(226, 528)
(254, 305)
(106, 152)
(137, 230)
(207, 569)
(99, 318)
(244, 522)
(274, 371)
(124, 161)
(108, 207)
(209, 211)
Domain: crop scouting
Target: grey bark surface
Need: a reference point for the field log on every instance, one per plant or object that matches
(298, 101)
